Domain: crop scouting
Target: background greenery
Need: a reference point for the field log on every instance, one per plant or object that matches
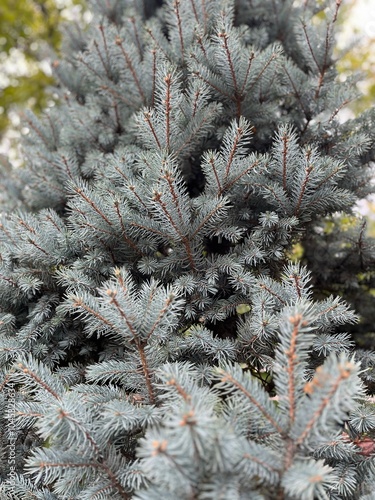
(28, 31)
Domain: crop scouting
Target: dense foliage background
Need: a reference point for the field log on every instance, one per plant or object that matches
(185, 288)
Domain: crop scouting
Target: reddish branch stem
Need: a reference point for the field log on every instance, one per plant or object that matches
(130, 67)
(168, 81)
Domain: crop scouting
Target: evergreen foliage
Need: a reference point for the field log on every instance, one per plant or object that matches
(158, 334)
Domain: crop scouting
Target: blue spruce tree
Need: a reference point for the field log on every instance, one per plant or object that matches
(158, 337)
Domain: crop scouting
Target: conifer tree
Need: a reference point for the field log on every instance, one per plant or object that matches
(158, 337)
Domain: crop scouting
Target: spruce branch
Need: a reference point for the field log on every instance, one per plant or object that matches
(339, 384)
(130, 66)
(231, 379)
(177, 264)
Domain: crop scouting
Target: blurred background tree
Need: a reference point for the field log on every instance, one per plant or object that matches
(357, 31)
(28, 28)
